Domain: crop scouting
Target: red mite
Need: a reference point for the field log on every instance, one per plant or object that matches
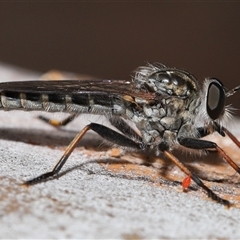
(186, 182)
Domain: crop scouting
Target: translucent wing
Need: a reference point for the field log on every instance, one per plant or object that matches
(121, 87)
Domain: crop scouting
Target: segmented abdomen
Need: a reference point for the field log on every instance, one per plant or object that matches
(76, 103)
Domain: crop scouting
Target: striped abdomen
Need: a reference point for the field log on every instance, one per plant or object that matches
(54, 102)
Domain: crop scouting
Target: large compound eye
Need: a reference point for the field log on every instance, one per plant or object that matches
(215, 99)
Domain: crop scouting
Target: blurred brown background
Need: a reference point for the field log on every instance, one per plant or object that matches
(111, 39)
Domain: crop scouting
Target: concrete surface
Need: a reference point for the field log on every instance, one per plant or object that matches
(92, 200)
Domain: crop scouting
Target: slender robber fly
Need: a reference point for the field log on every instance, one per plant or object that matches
(165, 104)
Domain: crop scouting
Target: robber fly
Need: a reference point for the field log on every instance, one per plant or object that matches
(165, 104)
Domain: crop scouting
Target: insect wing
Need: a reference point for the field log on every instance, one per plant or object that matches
(119, 87)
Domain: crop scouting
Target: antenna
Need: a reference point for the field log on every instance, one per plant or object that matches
(231, 92)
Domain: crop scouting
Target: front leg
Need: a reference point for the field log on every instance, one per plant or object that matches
(204, 144)
(204, 131)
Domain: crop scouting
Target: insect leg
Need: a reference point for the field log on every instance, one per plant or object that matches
(204, 144)
(233, 138)
(196, 179)
(123, 141)
(115, 137)
(62, 160)
(203, 131)
(122, 126)
(103, 131)
(56, 123)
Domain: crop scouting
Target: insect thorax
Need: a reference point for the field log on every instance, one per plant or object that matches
(174, 110)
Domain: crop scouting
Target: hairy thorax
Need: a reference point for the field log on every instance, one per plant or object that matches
(173, 112)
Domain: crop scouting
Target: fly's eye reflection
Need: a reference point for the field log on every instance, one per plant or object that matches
(162, 103)
(215, 99)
